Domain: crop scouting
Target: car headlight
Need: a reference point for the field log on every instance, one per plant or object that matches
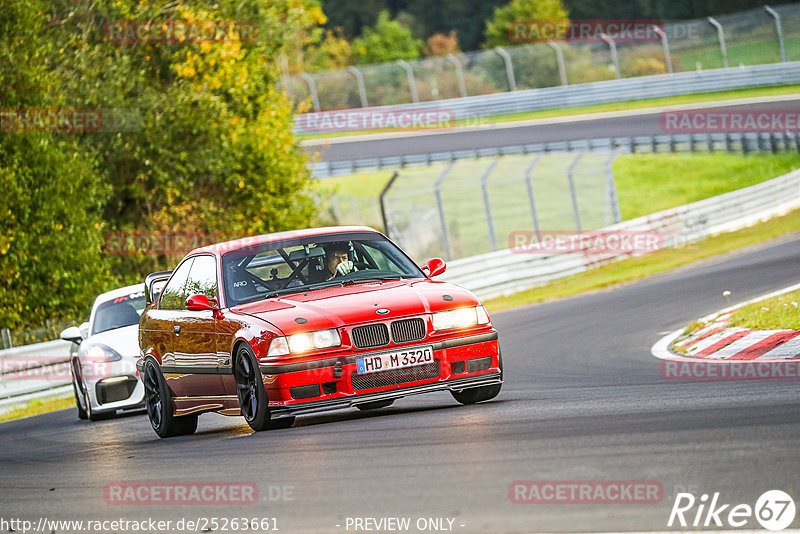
(303, 342)
(102, 353)
(460, 318)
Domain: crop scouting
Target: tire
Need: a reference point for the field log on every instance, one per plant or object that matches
(251, 392)
(81, 411)
(374, 405)
(480, 394)
(160, 409)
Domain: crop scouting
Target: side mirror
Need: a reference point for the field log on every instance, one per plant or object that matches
(153, 284)
(200, 302)
(84, 329)
(72, 334)
(434, 266)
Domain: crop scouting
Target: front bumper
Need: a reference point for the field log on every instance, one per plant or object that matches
(327, 384)
(457, 384)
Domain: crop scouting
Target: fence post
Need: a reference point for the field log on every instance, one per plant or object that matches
(437, 189)
(612, 214)
(486, 205)
(412, 83)
(512, 81)
(721, 35)
(562, 69)
(531, 199)
(362, 90)
(6, 338)
(462, 84)
(312, 88)
(613, 46)
(774, 14)
(381, 199)
(573, 193)
(665, 45)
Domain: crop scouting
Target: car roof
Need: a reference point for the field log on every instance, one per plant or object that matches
(114, 293)
(227, 246)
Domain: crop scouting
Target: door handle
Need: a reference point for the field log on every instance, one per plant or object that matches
(176, 329)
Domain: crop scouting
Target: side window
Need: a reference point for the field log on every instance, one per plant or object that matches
(173, 294)
(203, 277)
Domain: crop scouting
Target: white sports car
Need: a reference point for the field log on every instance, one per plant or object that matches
(103, 360)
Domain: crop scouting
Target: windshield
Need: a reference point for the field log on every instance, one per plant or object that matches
(303, 264)
(118, 312)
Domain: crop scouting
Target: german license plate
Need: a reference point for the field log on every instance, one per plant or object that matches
(394, 360)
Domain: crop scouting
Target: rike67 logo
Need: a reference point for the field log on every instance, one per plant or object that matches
(774, 510)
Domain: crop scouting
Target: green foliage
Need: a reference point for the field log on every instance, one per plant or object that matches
(51, 229)
(388, 40)
(209, 150)
(520, 10)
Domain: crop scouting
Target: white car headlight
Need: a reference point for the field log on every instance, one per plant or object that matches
(459, 318)
(304, 342)
(101, 353)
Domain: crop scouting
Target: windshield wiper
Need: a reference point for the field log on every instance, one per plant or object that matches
(376, 278)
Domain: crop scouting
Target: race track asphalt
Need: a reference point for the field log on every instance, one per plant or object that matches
(499, 135)
(583, 400)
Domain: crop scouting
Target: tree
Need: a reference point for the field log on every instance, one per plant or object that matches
(352, 17)
(497, 29)
(210, 148)
(51, 264)
(388, 40)
(213, 153)
(439, 44)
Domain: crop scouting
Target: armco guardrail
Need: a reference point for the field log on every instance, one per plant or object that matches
(504, 272)
(585, 94)
(722, 142)
(33, 371)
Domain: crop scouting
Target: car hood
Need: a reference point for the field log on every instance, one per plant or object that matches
(339, 306)
(124, 341)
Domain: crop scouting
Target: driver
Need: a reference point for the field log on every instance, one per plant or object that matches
(337, 259)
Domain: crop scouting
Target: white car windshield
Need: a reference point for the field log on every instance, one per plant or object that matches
(118, 312)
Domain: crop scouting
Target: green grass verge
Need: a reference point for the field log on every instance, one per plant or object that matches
(653, 263)
(653, 182)
(751, 52)
(598, 108)
(38, 406)
(770, 314)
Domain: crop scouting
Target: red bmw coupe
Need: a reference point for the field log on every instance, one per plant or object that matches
(293, 323)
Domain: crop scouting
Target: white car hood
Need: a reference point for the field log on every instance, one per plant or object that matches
(125, 340)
